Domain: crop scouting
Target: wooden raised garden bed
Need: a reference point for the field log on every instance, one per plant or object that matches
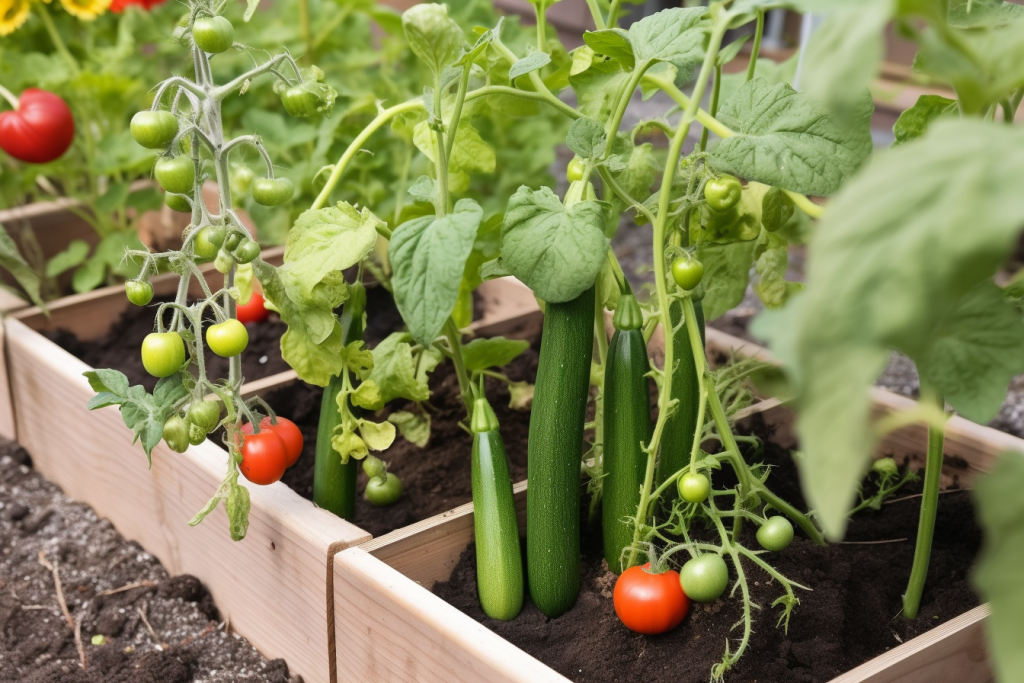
(288, 552)
(390, 627)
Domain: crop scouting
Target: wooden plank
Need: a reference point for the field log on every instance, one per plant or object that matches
(953, 652)
(285, 554)
(393, 630)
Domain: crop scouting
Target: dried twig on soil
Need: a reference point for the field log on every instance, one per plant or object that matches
(78, 640)
(60, 590)
(130, 586)
(202, 634)
(152, 633)
(888, 540)
(918, 495)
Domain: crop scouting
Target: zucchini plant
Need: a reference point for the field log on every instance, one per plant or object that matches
(184, 125)
(906, 259)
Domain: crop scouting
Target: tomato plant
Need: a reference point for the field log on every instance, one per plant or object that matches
(649, 602)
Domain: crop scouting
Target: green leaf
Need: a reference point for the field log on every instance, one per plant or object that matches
(367, 395)
(348, 444)
(888, 265)
(556, 252)
(784, 136)
(141, 412)
(414, 427)
(844, 54)
(114, 198)
(776, 209)
(678, 36)
(394, 370)
(429, 255)
(238, 506)
(726, 275)
(481, 354)
(432, 36)
(111, 387)
(72, 257)
(598, 86)
(997, 574)
(520, 395)
(250, 9)
(974, 352)
(532, 62)
(12, 261)
(982, 14)
(491, 270)
(771, 71)
(772, 260)
(586, 138)
(470, 154)
(913, 122)
(424, 189)
(89, 275)
(730, 51)
(377, 436)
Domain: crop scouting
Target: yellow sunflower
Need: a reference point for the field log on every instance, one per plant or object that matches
(86, 10)
(13, 14)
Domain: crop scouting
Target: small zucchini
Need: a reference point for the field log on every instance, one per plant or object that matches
(554, 453)
(627, 429)
(499, 563)
(677, 440)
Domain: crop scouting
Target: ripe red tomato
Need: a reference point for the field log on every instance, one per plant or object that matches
(263, 457)
(252, 312)
(289, 433)
(41, 129)
(650, 603)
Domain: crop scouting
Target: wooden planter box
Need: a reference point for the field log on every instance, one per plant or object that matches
(390, 627)
(288, 552)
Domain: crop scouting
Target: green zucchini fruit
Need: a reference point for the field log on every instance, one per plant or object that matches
(677, 439)
(334, 483)
(554, 453)
(627, 428)
(499, 563)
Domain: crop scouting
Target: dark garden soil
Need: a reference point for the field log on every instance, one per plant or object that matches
(155, 628)
(850, 615)
(119, 349)
(435, 478)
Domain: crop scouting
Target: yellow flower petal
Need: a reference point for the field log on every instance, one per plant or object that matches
(13, 14)
(86, 10)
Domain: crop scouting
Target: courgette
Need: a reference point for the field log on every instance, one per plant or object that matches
(499, 564)
(554, 453)
(677, 439)
(334, 483)
(627, 428)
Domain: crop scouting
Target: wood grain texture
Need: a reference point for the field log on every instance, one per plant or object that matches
(286, 551)
(391, 629)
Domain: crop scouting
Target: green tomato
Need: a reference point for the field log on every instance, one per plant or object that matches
(224, 262)
(176, 174)
(207, 243)
(694, 488)
(299, 101)
(775, 534)
(195, 434)
(178, 202)
(163, 353)
(383, 492)
(176, 433)
(213, 34)
(374, 467)
(246, 251)
(687, 272)
(228, 338)
(272, 191)
(154, 129)
(575, 170)
(704, 578)
(241, 178)
(140, 292)
(885, 467)
(233, 239)
(723, 193)
(204, 415)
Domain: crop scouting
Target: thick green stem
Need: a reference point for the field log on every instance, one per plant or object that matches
(929, 507)
(756, 49)
(451, 332)
(713, 107)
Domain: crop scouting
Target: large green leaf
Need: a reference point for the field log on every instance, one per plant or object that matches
(556, 252)
(913, 122)
(997, 574)
(888, 266)
(788, 140)
(481, 354)
(678, 36)
(726, 275)
(429, 256)
(394, 370)
(433, 36)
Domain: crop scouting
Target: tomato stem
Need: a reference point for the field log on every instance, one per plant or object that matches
(755, 50)
(929, 508)
(10, 97)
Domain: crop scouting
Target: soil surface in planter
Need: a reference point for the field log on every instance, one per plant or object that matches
(156, 628)
(435, 478)
(120, 348)
(850, 616)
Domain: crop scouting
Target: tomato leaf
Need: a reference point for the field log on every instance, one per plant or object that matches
(481, 354)
(531, 62)
(678, 36)
(556, 252)
(12, 261)
(997, 574)
(889, 266)
(913, 122)
(414, 427)
(377, 436)
(394, 370)
(586, 138)
(429, 256)
(432, 36)
(238, 505)
(72, 257)
(726, 274)
(784, 135)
